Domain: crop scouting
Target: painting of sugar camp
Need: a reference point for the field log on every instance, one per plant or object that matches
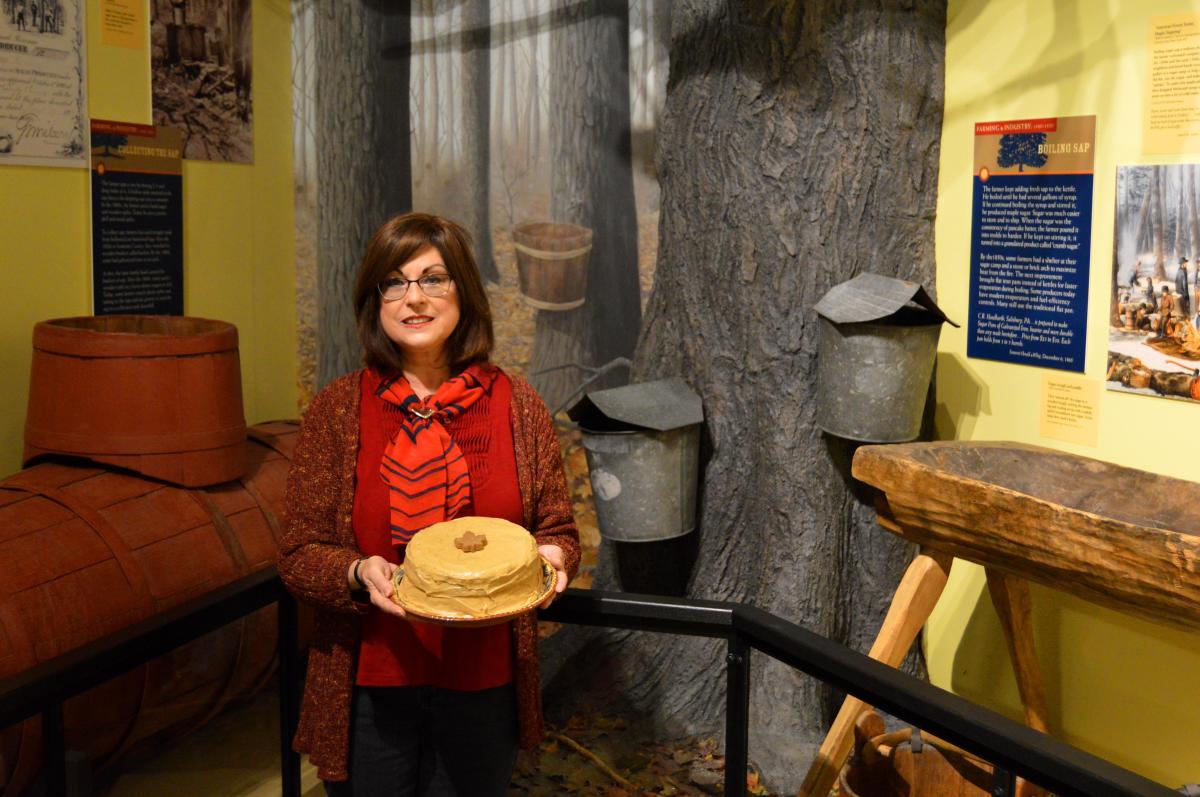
(1154, 318)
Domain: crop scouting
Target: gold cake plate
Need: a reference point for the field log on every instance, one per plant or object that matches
(475, 620)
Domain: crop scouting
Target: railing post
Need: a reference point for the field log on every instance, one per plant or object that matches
(737, 715)
(289, 678)
(1004, 783)
(54, 751)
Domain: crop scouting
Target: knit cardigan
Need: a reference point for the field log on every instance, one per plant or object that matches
(318, 547)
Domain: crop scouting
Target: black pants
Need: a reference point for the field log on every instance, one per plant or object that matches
(423, 741)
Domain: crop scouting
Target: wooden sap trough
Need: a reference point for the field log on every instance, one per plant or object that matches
(1116, 536)
(1112, 535)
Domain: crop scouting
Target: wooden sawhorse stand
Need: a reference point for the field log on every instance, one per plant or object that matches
(911, 606)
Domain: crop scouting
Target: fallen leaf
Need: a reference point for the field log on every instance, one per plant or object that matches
(754, 785)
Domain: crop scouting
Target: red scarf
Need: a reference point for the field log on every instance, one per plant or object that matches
(423, 468)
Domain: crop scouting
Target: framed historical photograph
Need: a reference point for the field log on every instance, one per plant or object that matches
(200, 55)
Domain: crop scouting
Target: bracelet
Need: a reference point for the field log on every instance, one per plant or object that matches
(361, 585)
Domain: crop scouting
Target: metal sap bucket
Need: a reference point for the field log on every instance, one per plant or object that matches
(876, 346)
(642, 443)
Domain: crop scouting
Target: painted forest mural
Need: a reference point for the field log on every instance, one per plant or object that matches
(637, 228)
(527, 120)
(533, 124)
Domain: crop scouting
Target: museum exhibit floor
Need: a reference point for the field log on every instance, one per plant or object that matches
(235, 755)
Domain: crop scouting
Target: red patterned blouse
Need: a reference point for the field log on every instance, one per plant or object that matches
(396, 652)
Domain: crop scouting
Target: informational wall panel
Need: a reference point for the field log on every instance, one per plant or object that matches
(137, 219)
(1031, 232)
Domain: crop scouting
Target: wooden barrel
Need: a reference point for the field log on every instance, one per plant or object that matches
(159, 395)
(88, 551)
(552, 264)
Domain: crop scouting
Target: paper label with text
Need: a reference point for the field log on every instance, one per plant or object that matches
(1069, 409)
(1172, 121)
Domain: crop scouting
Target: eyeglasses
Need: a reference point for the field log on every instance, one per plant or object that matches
(393, 289)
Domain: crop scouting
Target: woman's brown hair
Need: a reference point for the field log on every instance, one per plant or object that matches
(395, 243)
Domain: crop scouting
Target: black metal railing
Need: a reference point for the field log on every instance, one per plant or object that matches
(1014, 749)
(44, 688)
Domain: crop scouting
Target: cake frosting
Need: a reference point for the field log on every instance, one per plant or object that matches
(470, 567)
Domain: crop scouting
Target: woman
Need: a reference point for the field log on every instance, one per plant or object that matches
(392, 707)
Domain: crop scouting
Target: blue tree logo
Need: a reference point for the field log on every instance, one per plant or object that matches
(1021, 150)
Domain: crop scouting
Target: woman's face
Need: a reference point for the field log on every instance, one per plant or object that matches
(418, 324)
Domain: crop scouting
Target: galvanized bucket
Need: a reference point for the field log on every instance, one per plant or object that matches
(642, 443)
(876, 345)
(872, 379)
(644, 482)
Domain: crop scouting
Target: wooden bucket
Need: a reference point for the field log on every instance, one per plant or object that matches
(159, 395)
(892, 765)
(88, 551)
(928, 773)
(552, 264)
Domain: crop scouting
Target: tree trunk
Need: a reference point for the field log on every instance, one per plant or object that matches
(1160, 271)
(799, 147)
(435, 102)
(591, 185)
(1142, 235)
(1193, 215)
(363, 159)
(533, 130)
(476, 131)
(1180, 216)
(419, 103)
(502, 50)
(1114, 303)
(662, 50)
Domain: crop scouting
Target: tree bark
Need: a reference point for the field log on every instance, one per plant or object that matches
(591, 185)
(363, 159)
(799, 147)
(476, 131)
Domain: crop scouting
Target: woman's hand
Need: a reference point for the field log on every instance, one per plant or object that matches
(375, 572)
(554, 555)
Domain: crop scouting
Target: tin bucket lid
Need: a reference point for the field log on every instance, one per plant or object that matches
(661, 405)
(874, 297)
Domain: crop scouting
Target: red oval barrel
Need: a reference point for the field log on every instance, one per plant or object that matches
(159, 395)
(88, 551)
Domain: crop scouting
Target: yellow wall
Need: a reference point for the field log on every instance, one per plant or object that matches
(1118, 687)
(238, 232)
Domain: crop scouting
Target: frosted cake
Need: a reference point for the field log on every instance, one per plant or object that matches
(470, 567)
